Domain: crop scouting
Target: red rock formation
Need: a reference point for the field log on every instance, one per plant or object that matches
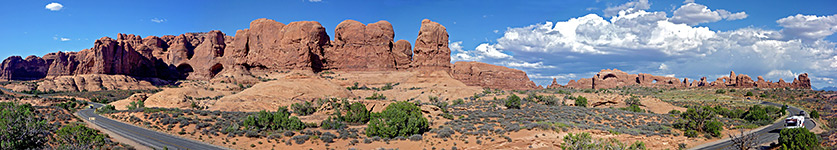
(614, 78)
(360, 47)
(403, 53)
(491, 76)
(431, 51)
(15, 68)
(554, 84)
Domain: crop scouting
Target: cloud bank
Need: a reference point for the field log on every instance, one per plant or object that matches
(637, 40)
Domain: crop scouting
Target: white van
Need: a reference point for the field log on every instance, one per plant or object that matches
(795, 122)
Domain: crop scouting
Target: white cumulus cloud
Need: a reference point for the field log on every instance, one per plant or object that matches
(694, 14)
(629, 7)
(651, 42)
(808, 27)
(54, 6)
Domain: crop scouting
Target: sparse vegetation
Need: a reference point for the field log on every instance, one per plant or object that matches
(20, 129)
(376, 96)
(304, 108)
(798, 139)
(583, 141)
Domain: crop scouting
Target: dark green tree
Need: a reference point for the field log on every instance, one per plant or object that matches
(20, 128)
(513, 101)
(397, 119)
(798, 139)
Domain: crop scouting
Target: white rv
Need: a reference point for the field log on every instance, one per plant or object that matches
(795, 122)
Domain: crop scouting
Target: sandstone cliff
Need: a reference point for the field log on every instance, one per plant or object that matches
(267, 46)
(491, 76)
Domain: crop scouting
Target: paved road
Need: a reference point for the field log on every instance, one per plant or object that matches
(765, 135)
(152, 139)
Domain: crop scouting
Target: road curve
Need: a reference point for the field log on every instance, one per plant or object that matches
(765, 135)
(152, 139)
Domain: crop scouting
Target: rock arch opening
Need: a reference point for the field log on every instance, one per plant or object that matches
(184, 70)
(608, 76)
(215, 69)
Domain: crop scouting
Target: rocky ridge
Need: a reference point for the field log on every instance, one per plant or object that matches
(267, 46)
(612, 78)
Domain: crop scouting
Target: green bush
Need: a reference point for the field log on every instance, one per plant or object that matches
(690, 133)
(397, 119)
(281, 119)
(355, 113)
(76, 135)
(674, 111)
(458, 102)
(332, 124)
(720, 91)
(581, 101)
(749, 93)
(815, 114)
(583, 141)
(762, 115)
(135, 105)
(513, 101)
(633, 105)
(698, 120)
(376, 96)
(303, 109)
(798, 139)
(634, 108)
(714, 128)
(20, 129)
(106, 109)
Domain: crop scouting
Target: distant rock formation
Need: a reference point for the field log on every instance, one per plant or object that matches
(608, 78)
(491, 76)
(267, 46)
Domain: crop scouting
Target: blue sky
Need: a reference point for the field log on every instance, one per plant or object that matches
(518, 34)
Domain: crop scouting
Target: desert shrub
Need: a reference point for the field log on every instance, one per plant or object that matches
(580, 141)
(106, 109)
(513, 101)
(690, 133)
(355, 113)
(20, 129)
(797, 139)
(581, 101)
(634, 108)
(674, 112)
(720, 91)
(714, 128)
(444, 133)
(458, 102)
(78, 136)
(699, 119)
(415, 137)
(281, 119)
(327, 137)
(300, 139)
(332, 124)
(815, 114)
(135, 105)
(749, 93)
(761, 115)
(376, 96)
(397, 119)
(303, 109)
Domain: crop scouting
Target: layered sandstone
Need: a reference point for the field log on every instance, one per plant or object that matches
(431, 51)
(267, 46)
(491, 76)
(93, 82)
(608, 78)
